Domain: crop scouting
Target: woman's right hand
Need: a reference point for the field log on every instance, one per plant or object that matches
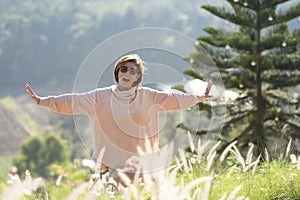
(208, 88)
(34, 97)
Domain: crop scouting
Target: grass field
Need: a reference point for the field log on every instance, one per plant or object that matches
(200, 175)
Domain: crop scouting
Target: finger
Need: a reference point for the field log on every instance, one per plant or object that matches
(34, 97)
(29, 90)
(27, 86)
(208, 88)
(209, 84)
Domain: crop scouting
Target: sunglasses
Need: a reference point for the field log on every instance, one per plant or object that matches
(132, 71)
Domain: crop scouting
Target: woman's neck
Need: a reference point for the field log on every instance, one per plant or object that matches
(123, 89)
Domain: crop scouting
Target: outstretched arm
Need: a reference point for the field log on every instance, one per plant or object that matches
(170, 101)
(74, 103)
(32, 94)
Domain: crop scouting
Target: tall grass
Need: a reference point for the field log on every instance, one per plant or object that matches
(201, 174)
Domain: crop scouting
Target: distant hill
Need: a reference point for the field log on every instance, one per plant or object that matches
(12, 132)
(19, 119)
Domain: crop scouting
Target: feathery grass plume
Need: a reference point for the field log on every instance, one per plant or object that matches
(198, 194)
(99, 160)
(283, 177)
(234, 192)
(148, 148)
(267, 155)
(239, 157)
(179, 165)
(174, 172)
(193, 184)
(191, 142)
(255, 164)
(210, 161)
(200, 150)
(224, 196)
(164, 187)
(208, 187)
(23, 187)
(213, 149)
(190, 164)
(169, 190)
(184, 161)
(59, 179)
(249, 154)
(132, 188)
(196, 182)
(241, 198)
(225, 152)
(288, 149)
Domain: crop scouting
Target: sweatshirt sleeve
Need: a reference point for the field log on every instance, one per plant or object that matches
(171, 101)
(73, 103)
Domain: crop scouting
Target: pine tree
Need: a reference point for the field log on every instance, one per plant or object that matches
(260, 60)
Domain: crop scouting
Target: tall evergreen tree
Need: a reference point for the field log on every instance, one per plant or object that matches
(258, 58)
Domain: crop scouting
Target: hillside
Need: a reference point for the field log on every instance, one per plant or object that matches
(12, 132)
(18, 120)
(21, 118)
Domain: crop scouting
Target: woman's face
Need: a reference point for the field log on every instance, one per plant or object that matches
(128, 74)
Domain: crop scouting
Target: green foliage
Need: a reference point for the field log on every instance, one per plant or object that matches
(72, 176)
(274, 180)
(5, 164)
(37, 153)
(259, 59)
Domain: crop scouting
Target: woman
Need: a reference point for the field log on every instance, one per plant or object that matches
(124, 115)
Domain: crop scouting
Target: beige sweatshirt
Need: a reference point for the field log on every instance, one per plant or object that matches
(122, 121)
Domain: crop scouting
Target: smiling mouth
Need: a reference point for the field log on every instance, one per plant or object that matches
(126, 80)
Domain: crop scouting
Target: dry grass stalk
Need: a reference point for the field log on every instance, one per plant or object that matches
(288, 149)
(210, 161)
(267, 155)
(255, 163)
(23, 187)
(234, 192)
(239, 157)
(225, 152)
(213, 149)
(191, 142)
(250, 154)
(184, 161)
(201, 149)
(193, 184)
